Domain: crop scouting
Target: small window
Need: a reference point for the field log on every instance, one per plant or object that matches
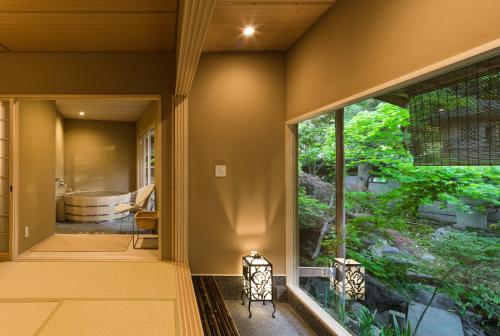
(147, 158)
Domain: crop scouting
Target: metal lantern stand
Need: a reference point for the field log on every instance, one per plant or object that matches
(257, 281)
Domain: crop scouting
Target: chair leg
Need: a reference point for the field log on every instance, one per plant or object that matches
(134, 232)
(121, 222)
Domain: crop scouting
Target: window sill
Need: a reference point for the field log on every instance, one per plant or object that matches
(328, 321)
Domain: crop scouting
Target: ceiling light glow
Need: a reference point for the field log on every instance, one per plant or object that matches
(248, 31)
(82, 113)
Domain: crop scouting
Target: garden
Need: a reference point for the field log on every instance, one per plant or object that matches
(427, 236)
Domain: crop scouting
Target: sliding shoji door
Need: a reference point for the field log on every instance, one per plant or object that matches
(5, 232)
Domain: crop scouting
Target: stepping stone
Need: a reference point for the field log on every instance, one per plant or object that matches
(436, 322)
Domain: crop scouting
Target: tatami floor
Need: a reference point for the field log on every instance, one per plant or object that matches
(93, 298)
(128, 252)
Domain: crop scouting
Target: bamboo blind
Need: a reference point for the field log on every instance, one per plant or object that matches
(455, 117)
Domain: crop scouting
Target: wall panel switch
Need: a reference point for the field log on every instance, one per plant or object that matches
(220, 170)
(26, 232)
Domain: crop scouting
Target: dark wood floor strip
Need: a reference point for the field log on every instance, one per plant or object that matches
(214, 314)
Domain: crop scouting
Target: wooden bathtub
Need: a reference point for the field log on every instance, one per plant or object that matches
(94, 206)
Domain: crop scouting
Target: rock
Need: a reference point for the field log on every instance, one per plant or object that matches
(420, 278)
(402, 259)
(379, 246)
(441, 301)
(440, 232)
(386, 318)
(436, 322)
(427, 257)
(316, 187)
(391, 250)
(368, 241)
(381, 297)
(356, 308)
(383, 318)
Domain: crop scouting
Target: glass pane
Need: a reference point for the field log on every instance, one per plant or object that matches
(316, 214)
(419, 239)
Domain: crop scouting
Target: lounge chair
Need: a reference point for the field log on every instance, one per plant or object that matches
(138, 201)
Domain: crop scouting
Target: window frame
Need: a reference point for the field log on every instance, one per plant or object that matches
(291, 156)
(144, 170)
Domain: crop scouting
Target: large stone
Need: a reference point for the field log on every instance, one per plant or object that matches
(441, 301)
(427, 257)
(441, 232)
(420, 278)
(391, 250)
(316, 187)
(474, 219)
(436, 322)
(381, 297)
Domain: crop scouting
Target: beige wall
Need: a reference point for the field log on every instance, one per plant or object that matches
(360, 44)
(147, 117)
(100, 73)
(99, 155)
(37, 158)
(236, 116)
(59, 137)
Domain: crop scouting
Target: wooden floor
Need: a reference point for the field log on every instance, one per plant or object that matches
(97, 298)
(129, 254)
(214, 314)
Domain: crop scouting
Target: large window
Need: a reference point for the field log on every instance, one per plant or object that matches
(422, 246)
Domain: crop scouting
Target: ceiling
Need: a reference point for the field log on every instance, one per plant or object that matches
(149, 25)
(88, 25)
(116, 110)
(278, 23)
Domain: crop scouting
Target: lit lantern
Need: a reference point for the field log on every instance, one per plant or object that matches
(257, 281)
(348, 279)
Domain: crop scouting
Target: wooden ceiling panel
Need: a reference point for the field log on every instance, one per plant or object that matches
(75, 6)
(278, 24)
(98, 109)
(88, 32)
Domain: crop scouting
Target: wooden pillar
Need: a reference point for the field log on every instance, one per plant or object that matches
(339, 183)
(292, 231)
(180, 227)
(194, 19)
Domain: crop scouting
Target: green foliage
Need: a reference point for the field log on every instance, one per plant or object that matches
(377, 137)
(310, 210)
(466, 187)
(401, 331)
(375, 134)
(366, 322)
(314, 147)
(475, 285)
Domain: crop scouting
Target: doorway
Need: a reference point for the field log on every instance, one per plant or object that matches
(77, 188)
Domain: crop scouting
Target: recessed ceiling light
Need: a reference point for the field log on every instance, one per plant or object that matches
(82, 113)
(248, 31)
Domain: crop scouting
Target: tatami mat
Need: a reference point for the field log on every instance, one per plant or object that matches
(124, 318)
(83, 280)
(97, 298)
(84, 243)
(24, 318)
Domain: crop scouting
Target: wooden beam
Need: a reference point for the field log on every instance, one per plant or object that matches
(195, 16)
(339, 183)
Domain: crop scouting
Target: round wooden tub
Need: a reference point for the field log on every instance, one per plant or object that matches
(94, 206)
